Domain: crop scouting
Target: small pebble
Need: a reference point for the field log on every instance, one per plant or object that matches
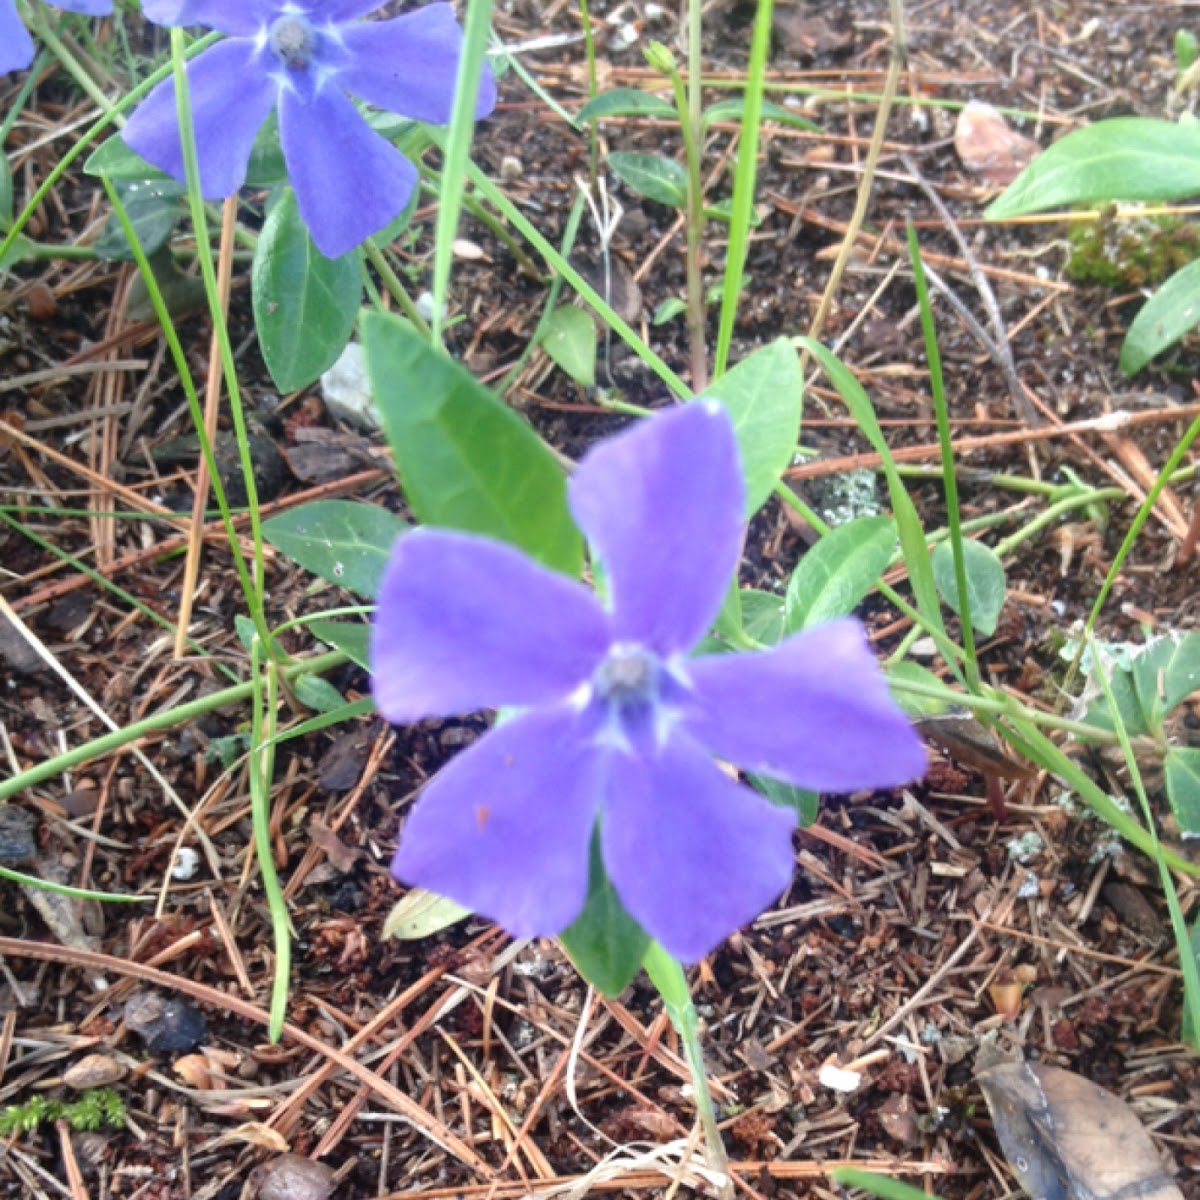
(511, 168)
(186, 862)
(93, 1071)
(18, 843)
(167, 1026)
(293, 1177)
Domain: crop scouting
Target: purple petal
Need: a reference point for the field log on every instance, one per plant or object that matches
(231, 95)
(814, 711)
(505, 828)
(238, 17)
(662, 507)
(345, 10)
(465, 623)
(408, 65)
(693, 855)
(16, 46)
(350, 181)
(91, 8)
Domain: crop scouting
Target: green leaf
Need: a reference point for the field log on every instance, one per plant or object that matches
(352, 638)
(465, 459)
(883, 1186)
(153, 207)
(625, 102)
(1182, 768)
(305, 304)
(763, 616)
(734, 110)
(266, 165)
(652, 176)
(346, 542)
(1186, 49)
(915, 706)
(318, 694)
(836, 573)
(20, 250)
(723, 211)
(763, 395)
(1172, 311)
(806, 804)
(569, 337)
(1123, 158)
(605, 943)
(116, 160)
(985, 582)
(668, 310)
(1181, 674)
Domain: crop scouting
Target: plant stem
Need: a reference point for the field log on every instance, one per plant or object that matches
(667, 976)
(168, 719)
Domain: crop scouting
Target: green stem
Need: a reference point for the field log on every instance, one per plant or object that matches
(262, 770)
(589, 49)
(667, 976)
(74, 67)
(168, 719)
(395, 286)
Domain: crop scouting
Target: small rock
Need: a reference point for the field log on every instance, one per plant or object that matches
(346, 391)
(93, 1071)
(511, 168)
(293, 1177)
(16, 651)
(18, 843)
(341, 766)
(167, 1026)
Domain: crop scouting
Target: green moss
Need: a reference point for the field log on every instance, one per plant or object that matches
(95, 1107)
(1130, 252)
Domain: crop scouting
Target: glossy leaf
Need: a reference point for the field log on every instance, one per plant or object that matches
(305, 304)
(1123, 158)
(763, 394)
(569, 337)
(985, 582)
(807, 805)
(153, 207)
(652, 176)
(116, 160)
(1172, 311)
(465, 459)
(837, 572)
(346, 542)
(352, 638)
(605, 943)
(764, 616)
(318, 694)
(734, 110)
(1182, 773)
(625, 102)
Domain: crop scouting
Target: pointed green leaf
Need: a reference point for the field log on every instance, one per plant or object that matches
(652, 176)
(1182, 769)
(605, 943)
(734, 110)
(318, 694)
(1172, 311)
(421, 914)
(352, 638)
(153, 207)
(346, 542)
(625, 102)
(763, 395)
(985, 582)
(1123, 158)
(465, 459)
(305, 304)
(569, 337)
(763, 616)
(116, 160)
(807, 805)
(915, 706)
(836, 573)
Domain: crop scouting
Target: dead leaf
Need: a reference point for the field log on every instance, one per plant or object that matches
(421, 914)
(343, 857)
(1066, 1138)
(987, 146)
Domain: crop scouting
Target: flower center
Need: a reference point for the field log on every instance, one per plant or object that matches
(627, 677)
(293, 40)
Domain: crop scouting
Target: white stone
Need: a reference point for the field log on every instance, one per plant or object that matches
(346, 391)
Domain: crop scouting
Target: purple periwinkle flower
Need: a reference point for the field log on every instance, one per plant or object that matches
(306, 58)
(16, 46)
(618, 725)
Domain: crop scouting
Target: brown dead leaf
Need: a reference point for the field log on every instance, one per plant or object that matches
(987, 146)
(343, 857)
(1066, 1138)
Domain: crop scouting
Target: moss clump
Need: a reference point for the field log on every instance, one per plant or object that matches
(1130, 252)
(94, 1108)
